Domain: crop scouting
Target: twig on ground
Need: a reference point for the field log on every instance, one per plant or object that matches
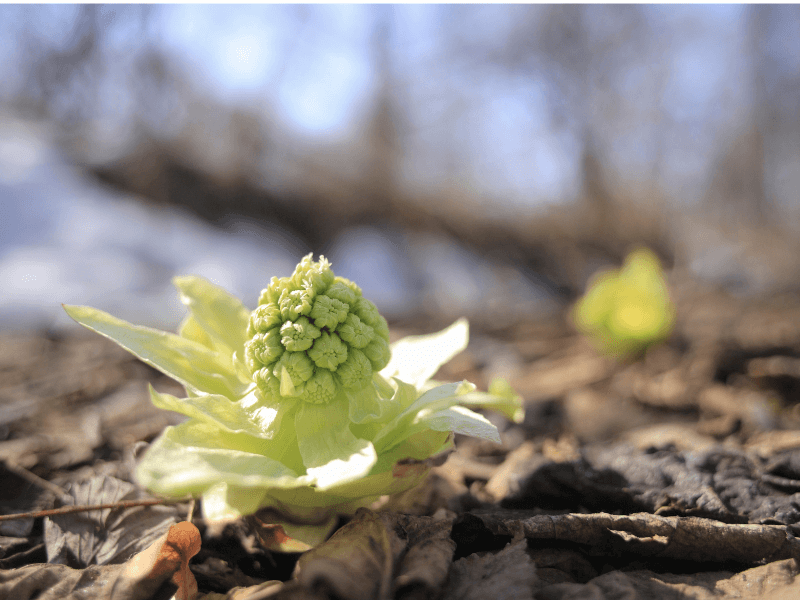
(36, 480)
(73, 509)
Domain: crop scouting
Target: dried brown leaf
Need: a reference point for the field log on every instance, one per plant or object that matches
(138, 579)
(8, 545)
(378, 556)
(721, 483)
(775, 581)
(105, 536)
(356, 563)
(683, 538)
(424, 567)
(18, 495)
(508, 575)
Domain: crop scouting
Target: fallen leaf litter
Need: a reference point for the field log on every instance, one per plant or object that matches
(692, 491)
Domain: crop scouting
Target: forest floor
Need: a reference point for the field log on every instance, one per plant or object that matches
(673, 476)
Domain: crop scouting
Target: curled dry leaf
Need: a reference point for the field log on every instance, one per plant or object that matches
(357, 562)
(775, 581)
(508, 575)
(725, 484)
(273, 537)
(138, 579)
(18, 495)
(170, 557)
(429, 553)
(376, 556)
(681, 538)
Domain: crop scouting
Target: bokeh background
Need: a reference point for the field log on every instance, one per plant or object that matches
(453, 160)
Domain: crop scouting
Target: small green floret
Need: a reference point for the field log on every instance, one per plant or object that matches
(299, 335)
(312, 331)
(355, 332)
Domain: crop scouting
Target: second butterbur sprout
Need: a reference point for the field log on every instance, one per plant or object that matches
(627, 310)
(312, 334)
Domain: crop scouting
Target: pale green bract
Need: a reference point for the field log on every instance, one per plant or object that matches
(297, 405)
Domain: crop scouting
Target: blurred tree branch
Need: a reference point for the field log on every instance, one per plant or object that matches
(182, 147)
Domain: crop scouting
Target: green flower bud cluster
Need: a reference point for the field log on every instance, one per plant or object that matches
(313, 334)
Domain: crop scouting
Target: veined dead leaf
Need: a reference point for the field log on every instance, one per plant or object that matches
(138, 579)
(107, 536)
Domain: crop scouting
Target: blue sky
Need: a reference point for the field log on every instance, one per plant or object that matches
(317, 73)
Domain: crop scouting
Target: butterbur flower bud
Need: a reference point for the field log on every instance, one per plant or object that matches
(296, 406)
(315, 326)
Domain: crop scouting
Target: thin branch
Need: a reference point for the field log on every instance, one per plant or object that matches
(38, 481)
(65, 510)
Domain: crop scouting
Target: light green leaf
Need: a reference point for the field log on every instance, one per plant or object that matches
(501, 397)
(308, 503)
(382, 480)
(222, 501)
(247, 415)
(240, 368)
(418, 447)
(436, 399)
(191, 364)
(400, 469)
(193, 456)
(331, 453)
(423, 445)
(365, 491)
(191, 330)
(415, 359)
(383, 386)
(222, 316)
(367, 405)
(459, 419)
(403, 396)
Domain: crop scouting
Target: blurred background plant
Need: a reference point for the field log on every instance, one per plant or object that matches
(626, 310)
(487, 160)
